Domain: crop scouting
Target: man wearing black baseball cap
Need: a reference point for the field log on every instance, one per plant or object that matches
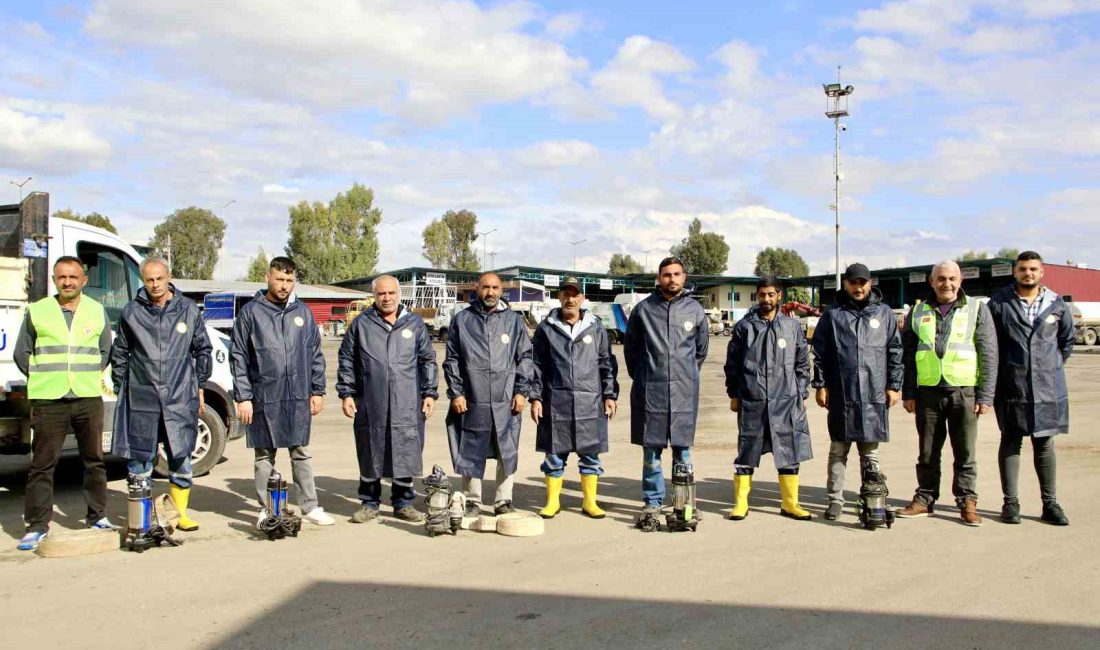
(858, 375)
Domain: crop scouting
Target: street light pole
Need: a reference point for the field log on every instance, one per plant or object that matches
(836, 107)
(225, 207)
(20, 186)
(574, 245)
(647, 252)
(485, 245)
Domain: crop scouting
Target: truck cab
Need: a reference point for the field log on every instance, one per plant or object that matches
(30, 243)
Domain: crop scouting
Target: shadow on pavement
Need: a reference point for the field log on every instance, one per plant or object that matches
(358, 615)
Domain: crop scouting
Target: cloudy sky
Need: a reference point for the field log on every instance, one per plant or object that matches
(975, 123)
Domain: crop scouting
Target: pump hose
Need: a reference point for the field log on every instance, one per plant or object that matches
(280, 527)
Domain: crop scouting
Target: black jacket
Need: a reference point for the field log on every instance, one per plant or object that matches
(1032, 398)
(278, 365)
(857, 357)
(575, 372)
(159, 360)
(665, 346)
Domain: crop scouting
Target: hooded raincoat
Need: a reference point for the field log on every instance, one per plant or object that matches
(278, 365)
(857, 358)
(665, 346)
(768, 370)
(388, 370)
(159, 360)
(575, 371)
(488, 362)
(1031, 397)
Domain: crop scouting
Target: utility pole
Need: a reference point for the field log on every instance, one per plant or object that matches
(574, 245)
(20, 186)
(168, 252)
(836, 107)
(485, 246)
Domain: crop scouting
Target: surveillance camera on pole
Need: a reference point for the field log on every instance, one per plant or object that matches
(836, 107)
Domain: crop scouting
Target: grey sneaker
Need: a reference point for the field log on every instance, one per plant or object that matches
(832, 513)
(408, 513)
(364, 514)
(1010, 512)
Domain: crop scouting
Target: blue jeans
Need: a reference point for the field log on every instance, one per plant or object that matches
(653, 479)
(179, 470)
(554, 464)
(401, 492)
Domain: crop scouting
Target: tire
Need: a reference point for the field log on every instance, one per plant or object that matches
(209, 446)
(1090, 336)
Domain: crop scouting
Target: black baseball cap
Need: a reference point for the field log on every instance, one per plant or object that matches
(571, 282)
(857, 272)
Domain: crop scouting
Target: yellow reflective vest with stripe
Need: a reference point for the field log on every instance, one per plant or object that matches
(959, 364)
(65, 358)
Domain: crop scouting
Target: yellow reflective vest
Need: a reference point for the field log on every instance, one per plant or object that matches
(65, 358)
(959, 364)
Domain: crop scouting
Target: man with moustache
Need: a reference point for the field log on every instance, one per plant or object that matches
(950, 355)
(279, 384)
(857, 374)
(159, 363)
(488, 371)
(63, 346)
(665, 346)
(388, 383)
(573, 396)
(1035, 336)
(767, 380)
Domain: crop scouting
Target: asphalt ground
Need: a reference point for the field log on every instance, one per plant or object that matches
(767, 581)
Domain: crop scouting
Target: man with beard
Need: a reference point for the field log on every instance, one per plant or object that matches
(950, 347)
(665, 346)
(857, 374)
(767, 380)
(1035, 336)
(279, 384)
(63, 346)
(572, 396)
(159, 364)
(488, 371)
(388, 384)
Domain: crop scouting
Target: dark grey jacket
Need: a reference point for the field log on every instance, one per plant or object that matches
(488, 362)
(278, 365)
(666, 343)
(985, 340)
(768, 370)
(160, 359)
(1032, 398)
(389, 370)
(857, 357)
(575, 372)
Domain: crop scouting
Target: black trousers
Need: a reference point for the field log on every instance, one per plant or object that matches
(51, 420)
(942, 413)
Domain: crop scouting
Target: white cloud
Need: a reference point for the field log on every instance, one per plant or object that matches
(557, 153)
(426, 60)
(742, 61)
(564, 26)
(922, 18)
(50, 141)
(275, 188)
(632, 78)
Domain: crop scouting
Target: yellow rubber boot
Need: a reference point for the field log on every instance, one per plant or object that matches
(588, 488)
(179, 497)
(742, 485)
(788, 489)
(553, 497)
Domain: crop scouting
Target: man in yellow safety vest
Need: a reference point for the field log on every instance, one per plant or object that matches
(63, 347)
(950, 358)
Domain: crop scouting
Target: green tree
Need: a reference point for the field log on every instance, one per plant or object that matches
(437, 244)
(92, 219)
(703, 253)
(462, 226)
(192, 238)
(970, 256)
(621, 264)
(783, 263)
(1008, 253)
(335, 241)
(257, 267)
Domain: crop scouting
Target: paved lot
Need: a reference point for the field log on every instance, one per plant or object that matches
(766, 581)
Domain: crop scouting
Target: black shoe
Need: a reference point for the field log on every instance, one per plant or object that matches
(1053, 515)
(473, 509)
(503, 508)
(832, 513)
(1010, 512)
